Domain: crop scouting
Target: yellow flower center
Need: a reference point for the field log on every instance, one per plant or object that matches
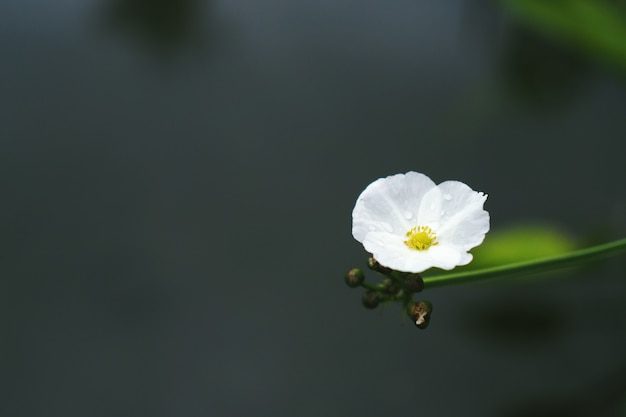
(421, 238)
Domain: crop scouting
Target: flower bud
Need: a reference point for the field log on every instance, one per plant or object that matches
(354, 277)
(420, 313)
(375, 266)
(414, 283)
(370, 299)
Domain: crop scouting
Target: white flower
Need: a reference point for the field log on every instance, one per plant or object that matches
(410, 224)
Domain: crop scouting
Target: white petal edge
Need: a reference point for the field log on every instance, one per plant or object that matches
(464, 222)
(390, 251)
(390, 204)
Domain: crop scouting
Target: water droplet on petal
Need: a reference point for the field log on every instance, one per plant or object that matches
(408, 215)
(447, 197)
(442, 212)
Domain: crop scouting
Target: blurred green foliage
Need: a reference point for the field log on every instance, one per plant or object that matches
(594, 27)
(521, 243)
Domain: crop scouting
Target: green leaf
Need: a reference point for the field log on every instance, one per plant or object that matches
(520, 243)
(595, 27)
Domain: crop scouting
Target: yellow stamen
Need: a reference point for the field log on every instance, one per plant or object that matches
(421, 238)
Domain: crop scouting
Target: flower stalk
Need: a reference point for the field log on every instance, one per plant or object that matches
(400, 286)
(539, 265)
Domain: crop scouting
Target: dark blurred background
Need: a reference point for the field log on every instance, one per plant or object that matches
(178, 178)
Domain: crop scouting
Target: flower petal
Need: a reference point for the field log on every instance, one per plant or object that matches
(447, 257)
(390, 251)
(464, 222)
(390, 204)
(430, 208)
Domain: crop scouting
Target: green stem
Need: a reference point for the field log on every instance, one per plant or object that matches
(372, 287)
(538, 265)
